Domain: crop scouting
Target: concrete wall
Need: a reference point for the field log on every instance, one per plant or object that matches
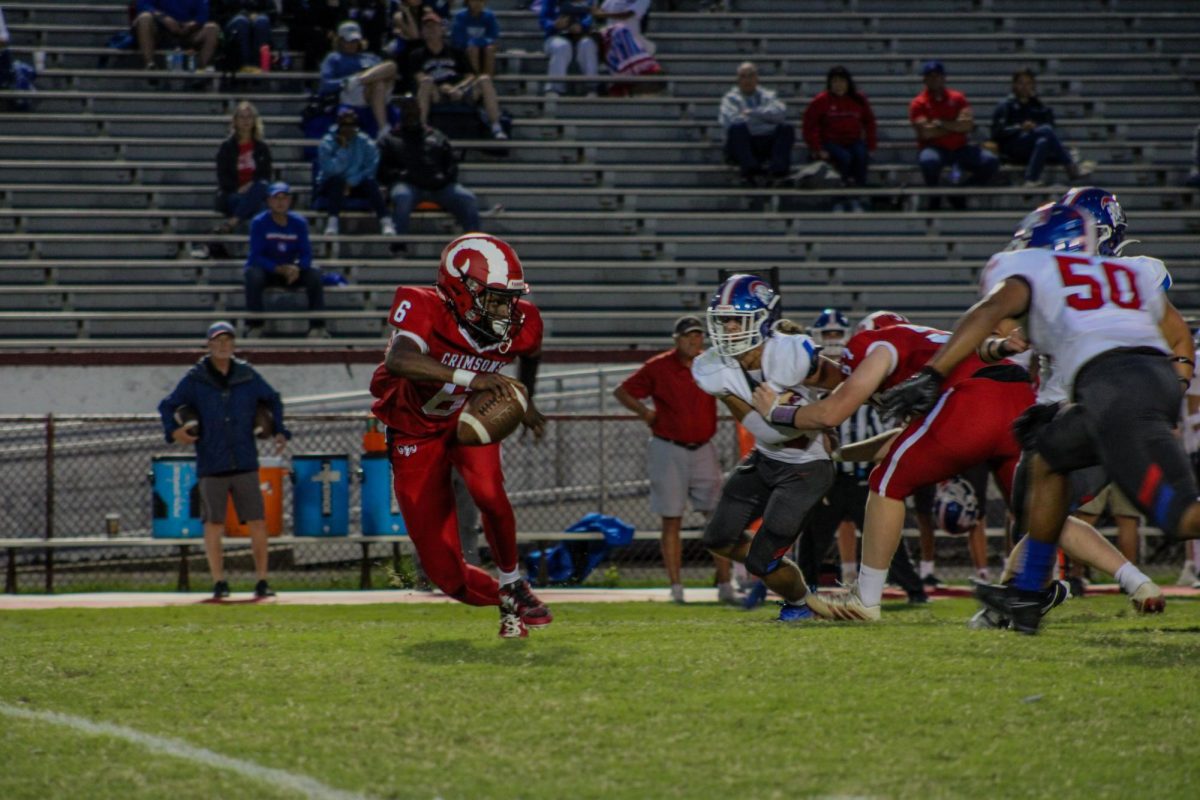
(44, 389)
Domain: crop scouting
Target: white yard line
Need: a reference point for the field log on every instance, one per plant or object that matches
(277, 778)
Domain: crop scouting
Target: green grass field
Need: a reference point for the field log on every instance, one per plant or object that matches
(613, 701)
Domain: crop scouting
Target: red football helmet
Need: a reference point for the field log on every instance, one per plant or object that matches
(878, 320)
(481, 278)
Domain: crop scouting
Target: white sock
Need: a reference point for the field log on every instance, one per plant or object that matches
(849, 571)
(509, 577)
(925, 569)
(1130, 577)
(870, 584)
(725, 588)
(1195, 551)
(983, 574)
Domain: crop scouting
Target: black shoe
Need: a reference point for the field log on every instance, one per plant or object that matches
(1023, 609)
(932, 581)
(398, 248)
(1077, 586)
(917, 598)
(1055, 595)
(261, 590)
(220, 590)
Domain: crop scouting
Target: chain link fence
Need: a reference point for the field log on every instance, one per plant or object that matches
(64, 475)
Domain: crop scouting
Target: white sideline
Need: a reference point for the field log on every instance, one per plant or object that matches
(277, 778)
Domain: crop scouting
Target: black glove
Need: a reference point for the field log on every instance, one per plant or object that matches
(914, 397)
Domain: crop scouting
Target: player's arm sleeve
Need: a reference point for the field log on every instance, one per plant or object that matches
(762, 430)
(410, 318)
(527, 371)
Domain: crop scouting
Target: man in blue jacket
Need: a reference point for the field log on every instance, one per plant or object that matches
(184, 23)
(224, 392)
(1023, 129)
(346, 164)
(280, 255)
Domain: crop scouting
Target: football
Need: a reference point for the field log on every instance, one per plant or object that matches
(264, 420)
(188, 419)
(488, 418)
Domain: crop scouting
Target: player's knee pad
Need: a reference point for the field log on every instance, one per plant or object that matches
(763, 559)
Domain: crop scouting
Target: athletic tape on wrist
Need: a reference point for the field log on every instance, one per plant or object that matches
(463, 377)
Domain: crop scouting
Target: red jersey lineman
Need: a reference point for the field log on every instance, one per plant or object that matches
(449, 340)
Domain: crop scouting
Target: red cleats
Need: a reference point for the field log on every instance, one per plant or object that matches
(533, 611)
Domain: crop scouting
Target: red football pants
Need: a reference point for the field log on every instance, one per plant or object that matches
(971, 424)
(421, 478)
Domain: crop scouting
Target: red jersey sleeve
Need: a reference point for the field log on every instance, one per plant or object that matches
(529, 338)
(414, 314)
(855, 352)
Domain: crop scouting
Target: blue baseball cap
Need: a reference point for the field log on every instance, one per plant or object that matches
(932, 66)
(220, 327)
(345, 110)
(279, 187)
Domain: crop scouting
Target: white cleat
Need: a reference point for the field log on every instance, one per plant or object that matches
(1148, 599)
(848, 606)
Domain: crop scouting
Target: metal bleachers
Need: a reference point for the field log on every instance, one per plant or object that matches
(622, 208)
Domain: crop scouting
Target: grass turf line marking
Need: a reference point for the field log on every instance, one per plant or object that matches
(177, 748)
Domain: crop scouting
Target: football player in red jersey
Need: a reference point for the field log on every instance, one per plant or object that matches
(451, 339)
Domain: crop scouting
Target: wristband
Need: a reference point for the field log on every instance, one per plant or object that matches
(783, 415)
(463, 377)
(1184, 360)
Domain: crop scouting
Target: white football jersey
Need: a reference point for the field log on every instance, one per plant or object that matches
(1082, 306)
(786, 361)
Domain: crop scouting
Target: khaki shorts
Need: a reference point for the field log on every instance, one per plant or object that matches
(1114, 500)
(247, 496)
(678, 474)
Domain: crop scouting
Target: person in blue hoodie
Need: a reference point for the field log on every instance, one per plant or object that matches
(280, 255)
(475, 32)
(224, 393)
(346, 164)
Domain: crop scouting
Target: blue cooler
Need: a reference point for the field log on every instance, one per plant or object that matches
(175, 498)
(321, 494)
(380, 512)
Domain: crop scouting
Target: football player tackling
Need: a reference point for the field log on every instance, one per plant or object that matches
(449, 340)
(1124, 355)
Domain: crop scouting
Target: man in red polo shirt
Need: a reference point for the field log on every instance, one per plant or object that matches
(680, 458)
(943, 120)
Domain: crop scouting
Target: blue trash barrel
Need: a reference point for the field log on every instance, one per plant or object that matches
(380, 512)
(321, 494)
(175, 498)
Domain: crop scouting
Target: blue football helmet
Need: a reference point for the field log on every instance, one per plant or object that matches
(955, 506)
(1106, 211)
(1063, 229)
(752, 304)
(831, 329)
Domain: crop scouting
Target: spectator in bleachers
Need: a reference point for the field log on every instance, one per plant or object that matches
(346, 163)
(626, 52)
(358, 77)
(1023, 130)
(406, 31)
(443, 75)
(943, 121)
(839, 128)
(475, 32)
(568, 29)
(1194, 178)
(225, 392)
(417, 164)
(243, 169)
(280, 255)
(184, 23)
(756, 129)
(247, 28)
